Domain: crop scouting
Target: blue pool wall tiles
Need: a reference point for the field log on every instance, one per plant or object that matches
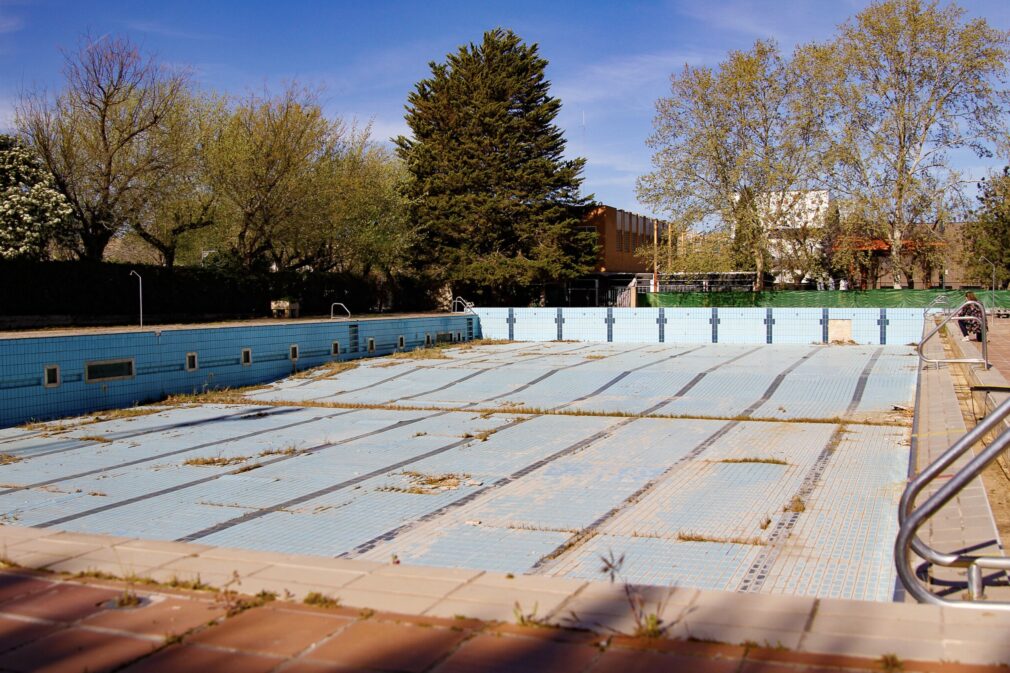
(160, 359)
(897, 326)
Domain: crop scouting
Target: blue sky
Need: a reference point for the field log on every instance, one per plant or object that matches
(609, 61)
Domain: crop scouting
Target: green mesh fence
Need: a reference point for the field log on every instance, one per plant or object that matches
(814, 299)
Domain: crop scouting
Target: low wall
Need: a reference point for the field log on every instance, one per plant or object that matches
(159, 360)
(704, 325)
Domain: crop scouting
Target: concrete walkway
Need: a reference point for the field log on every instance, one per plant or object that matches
(75, 625)
(51, 626)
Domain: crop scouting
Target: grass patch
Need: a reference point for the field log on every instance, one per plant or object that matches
(427, 484)
(216, 461)
(249, 468)
(766, 461)
(326, 370)
(7, 459)
(795, 505)
(95, 438)
(289, 451)
(319, 600)
(420, 354)
(127, 599)
(695, 537)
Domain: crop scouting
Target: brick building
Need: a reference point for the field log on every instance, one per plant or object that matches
(620, 234)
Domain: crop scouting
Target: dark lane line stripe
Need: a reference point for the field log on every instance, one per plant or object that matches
(756, 575)
(622, 375)
(390, 535)
(197, 482)
(552, 373)
(576, 540)
(318, 493)
(420, 369)
(250, 516)
(116, 436)
(167, 454)
(686, 388)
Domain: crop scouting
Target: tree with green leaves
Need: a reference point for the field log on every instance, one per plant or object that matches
(33, 214)
(913, 81)
(98, 135)
(182, 200)
(987, 232)
(740, 144)
(496, 204)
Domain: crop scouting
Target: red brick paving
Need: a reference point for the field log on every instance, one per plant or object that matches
(48, 625)
(366, 644)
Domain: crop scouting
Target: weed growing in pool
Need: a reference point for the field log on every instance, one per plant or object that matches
(694, 537)
(215, 461)
(420, 354)
(795, 505)
(7, 459)
(249, 468)
(325, 371)
(95, 438)
(766, 461)
(289, 451)
(427, 484)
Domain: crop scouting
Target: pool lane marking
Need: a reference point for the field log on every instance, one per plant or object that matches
(552, 373)
(757, 573)
(197, 482)
(78, 443)
(578, 539)
(332, 488)
(250, 516)
(178, 487)
(419, 369)
(622, 375)
(146, 459)
(391, 535)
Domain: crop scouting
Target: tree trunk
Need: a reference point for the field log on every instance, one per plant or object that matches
(895, 259)
(94, 244)
(759, 269)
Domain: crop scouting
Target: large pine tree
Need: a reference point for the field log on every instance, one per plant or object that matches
(495, 201)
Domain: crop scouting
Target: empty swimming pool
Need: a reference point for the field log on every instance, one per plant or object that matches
(762, 468)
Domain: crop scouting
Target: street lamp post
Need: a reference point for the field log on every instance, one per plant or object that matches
(992, 297)
(140, 287)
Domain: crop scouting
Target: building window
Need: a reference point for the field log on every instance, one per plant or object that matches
(52, 376)
(371, 345)
(108, 370)
(192, 363)
(335, 348)
(401, 342)
(246, 357)
(293, 352)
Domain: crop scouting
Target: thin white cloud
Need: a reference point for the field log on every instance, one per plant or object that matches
(162, 30)
(627, 78)
(740, 16)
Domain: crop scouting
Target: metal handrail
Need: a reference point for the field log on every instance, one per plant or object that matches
(467, 305)
(958, 318)
(336, 304)
(940, 299)
(913, 519)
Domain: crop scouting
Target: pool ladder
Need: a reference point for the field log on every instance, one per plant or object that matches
(911, 517)
(953, 316)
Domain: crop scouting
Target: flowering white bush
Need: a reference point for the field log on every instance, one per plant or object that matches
(32, 212)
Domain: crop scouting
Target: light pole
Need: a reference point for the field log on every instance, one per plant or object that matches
(140, 287)
(992, 297)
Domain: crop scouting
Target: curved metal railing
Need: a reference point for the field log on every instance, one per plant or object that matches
(912, 518)
(463, 304)
(959, 318)
(335, 305)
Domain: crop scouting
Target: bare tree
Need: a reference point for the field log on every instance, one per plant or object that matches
(97, 135)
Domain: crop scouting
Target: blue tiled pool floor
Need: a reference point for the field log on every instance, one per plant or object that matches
(688, 460)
